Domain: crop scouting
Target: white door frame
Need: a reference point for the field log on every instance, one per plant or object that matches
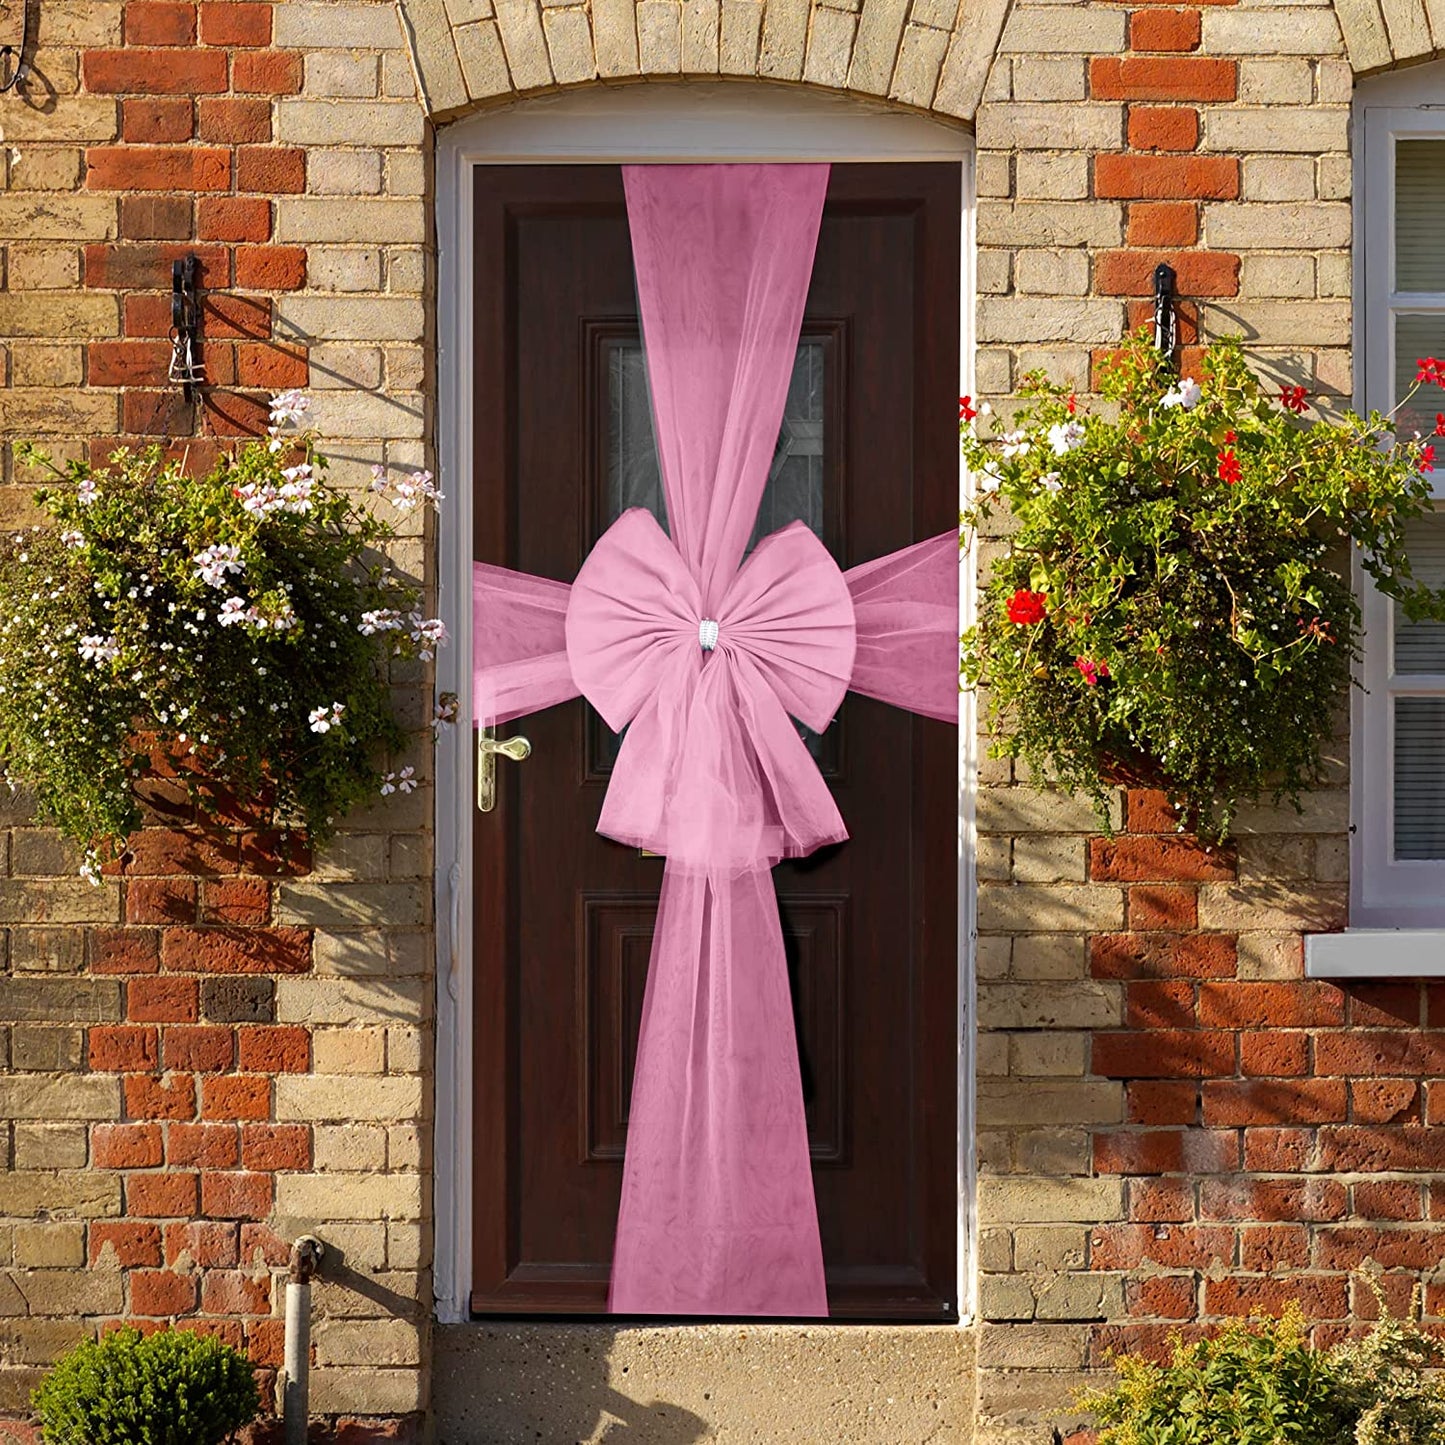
(665, 121)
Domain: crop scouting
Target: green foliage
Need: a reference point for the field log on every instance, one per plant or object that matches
(1260, 1383)
(168, 1388)
(237, 625)
(1173, 565)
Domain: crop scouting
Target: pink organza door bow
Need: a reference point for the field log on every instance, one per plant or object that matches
(704, 658)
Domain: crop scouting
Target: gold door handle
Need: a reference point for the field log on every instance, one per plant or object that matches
(488, 746)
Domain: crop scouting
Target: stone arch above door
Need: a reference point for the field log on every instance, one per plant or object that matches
(929, 55)
(1384, 33)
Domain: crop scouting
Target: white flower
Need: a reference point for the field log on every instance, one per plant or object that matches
(429, 633)
(213, 563)
(288, 406)
(444, 713)
(1064, 436)
(1015, 443)
(323, 719)
(86, 492)
(990, 478)
(384, 619)
(233, 611)
(98, 649)
(1186, 394)
(280, 621)
(1050, 482)
(378, 478)
(90, 868)
(413, 488)
(295, 494)
(402, 782)
(73, 539)
(985, 408)
(258, 499)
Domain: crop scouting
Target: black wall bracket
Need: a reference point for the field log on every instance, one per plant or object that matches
(1166, 318)
(186, 365)
(14, 67)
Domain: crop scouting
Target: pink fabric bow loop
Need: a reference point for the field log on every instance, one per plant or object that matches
(712, 773)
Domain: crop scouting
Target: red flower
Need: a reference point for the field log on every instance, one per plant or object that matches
(1073, 403)
(1026, 608)
(1091, 669)
(1292, 398)
(1229, 436)
(1440, 423)
(1428, 368)
(1229, 468)
(966, 409)
(1427, 459)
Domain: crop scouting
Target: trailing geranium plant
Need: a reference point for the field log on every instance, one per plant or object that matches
(1170, 603)
(235, 629)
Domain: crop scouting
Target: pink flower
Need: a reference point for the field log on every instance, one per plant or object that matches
(1092, 669)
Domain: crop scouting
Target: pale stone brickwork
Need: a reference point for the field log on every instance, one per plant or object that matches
(212, 1053)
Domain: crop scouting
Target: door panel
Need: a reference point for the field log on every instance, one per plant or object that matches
(867, 456)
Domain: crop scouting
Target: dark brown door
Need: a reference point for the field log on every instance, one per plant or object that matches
(868, 457)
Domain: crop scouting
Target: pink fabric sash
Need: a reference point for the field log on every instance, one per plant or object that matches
(717, 1214)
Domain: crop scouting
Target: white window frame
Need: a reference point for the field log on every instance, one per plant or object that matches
(660, 122)
(1397, 906)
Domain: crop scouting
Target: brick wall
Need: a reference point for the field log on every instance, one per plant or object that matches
(211, 1054)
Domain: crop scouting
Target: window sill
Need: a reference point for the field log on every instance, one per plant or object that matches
(1376, 953)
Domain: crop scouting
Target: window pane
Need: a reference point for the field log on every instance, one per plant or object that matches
(1417, 336)
(1420, 646)
(1420, 777)
(1419, 215)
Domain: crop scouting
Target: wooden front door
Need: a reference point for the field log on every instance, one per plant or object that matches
(868, 457)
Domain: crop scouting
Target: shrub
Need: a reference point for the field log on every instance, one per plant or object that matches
(238, 625)
(169, 1388)
(1169, 603)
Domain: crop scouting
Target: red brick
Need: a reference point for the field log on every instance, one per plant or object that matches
(1162, 955)
(233, 218)
(1434, 1004)
(1154, 1003)
(1322, 1297)
(235, 122)
(1268, 1200)
(1152, 1342)
(260, 1244)
(1199, 273)
(155, 122)
(153, 72)
(1349, 1246)
(272, 368)
(237, 950)
(1149, 178)
(266, 1342)
(134, 1244)
(1384, 1005)
(119, 1048)
(275, 1050)
(236, 900)
(1161, 223)
(236, 1096)
(212, 1246)
(1385, 1101)
(125, 1146)
(237, 316)
(164, 851)
(1166, 1296)
(1164, 1054)
(155, 218)
(1162, 1101)
(1147, 810)
(156, 413)
(1376, 1051)
(1232, 1103)
(1126, 1246)
(158, 168)
(1274, 1053)
(139, 267)
(1270, 1005)
(1186, 317)
(1163, 128)
(272, 170)
(202, 1048)
(160, 1196)
(1269, 1247)
(147, 315)
(234, 23)
(161, 1292)
(236, 1196)
(1163, 906)
(1400, 1199)
(1278, 1149)
(159, 900)
(1113, 77)
(1165, 1151)
(275, 854)
(273, 268)
(275, 1146)
(124, 950)
(234, 1293)
(273, 72)
(1173, 30)
(1435, 1103)
(1125, 859)
(159, 22)
(236, 414)
(207, 1146)
(151, 1098)
(1161, 1201)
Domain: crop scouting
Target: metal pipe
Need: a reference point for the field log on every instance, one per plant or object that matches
(306, 1256)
